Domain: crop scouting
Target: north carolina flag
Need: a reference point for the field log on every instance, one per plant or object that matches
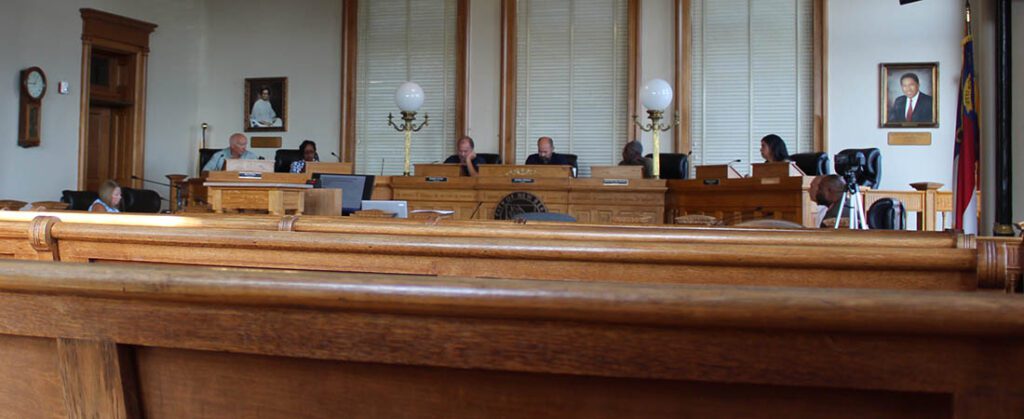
(965, 152)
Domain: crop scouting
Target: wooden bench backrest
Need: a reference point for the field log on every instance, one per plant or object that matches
(117, 341)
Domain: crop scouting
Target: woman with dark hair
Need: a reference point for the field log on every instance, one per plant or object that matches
(110, 198)
(308, 149)
(773, 149)
(633, 155)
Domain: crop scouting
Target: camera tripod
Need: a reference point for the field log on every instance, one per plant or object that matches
(856, 217)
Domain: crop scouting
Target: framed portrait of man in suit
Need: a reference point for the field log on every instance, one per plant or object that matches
(909, 95)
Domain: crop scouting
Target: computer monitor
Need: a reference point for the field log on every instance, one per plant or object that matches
(354, 189)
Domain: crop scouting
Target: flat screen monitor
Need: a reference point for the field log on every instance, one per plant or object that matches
(354, 189)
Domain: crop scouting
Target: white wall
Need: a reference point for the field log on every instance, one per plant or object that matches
(484, 62)
(301, 40)
(865, 33)
(48, 34)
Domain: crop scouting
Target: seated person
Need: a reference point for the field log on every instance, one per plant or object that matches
(110, 198)
(633, 155)
(308, 149)
(546, 153)
(466, 154)
(827, 191)
(773, 149)
(237, 149)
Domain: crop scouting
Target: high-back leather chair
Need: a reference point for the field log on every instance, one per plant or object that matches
(574, 162)
(284, 158)
(79, 200)
(887, 214)
(673, 165)
(490, 158)
(140, 200)
(205, 154)
(813, 164)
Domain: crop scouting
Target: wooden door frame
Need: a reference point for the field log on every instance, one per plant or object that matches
(123, 35)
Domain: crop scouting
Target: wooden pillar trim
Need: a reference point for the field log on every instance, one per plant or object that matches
(635, 71)
(462, 68)
(683, 74)
(99, 379)
(349, 58)
(507, 100)
(820, 40)
(1004, 120)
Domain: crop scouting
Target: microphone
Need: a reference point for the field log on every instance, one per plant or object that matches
(150, 181)
(473, 215)
(382, 166)
(336, 156)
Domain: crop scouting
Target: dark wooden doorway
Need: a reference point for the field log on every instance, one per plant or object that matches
(109, 150)
(115, 50)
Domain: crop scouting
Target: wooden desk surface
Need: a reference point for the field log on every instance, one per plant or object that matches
(589, 200)
(737, 200)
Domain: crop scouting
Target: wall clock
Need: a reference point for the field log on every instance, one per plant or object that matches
(30, 111)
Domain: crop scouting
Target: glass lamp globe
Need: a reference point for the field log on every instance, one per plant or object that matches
(409, 97)
(656, 95)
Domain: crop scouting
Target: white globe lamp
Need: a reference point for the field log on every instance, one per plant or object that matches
(656, 95)
(409, 97)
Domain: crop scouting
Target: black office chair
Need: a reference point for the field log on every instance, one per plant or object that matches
(79, 200)
(490, 158)
(205, 154)
(673, 165)
(887, 214)
(574, 162)
(284, 158)
(872, 175)
(140, 200)
(813, 164)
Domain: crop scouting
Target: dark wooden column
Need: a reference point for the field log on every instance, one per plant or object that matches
(1004, 119)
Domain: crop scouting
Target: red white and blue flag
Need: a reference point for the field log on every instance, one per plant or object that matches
(965, 152)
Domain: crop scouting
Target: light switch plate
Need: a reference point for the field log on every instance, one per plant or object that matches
(62, 87)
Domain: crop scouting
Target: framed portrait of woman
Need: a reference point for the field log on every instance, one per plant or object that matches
(266, 104)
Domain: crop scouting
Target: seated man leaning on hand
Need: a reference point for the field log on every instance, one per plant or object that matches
(466, 157)
(827, 191)
(237, 149)
(546, 153)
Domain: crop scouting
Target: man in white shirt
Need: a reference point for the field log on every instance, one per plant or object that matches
(263, 115)
(237, 149)
(914, 105)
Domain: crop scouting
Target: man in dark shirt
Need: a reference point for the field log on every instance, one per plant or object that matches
(546, 153)
(827, 191)
(466, 154)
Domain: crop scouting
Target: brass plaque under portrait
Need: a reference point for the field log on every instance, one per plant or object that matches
(265, 142)
(910, 138)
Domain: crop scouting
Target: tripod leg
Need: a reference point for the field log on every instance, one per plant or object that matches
(839, 215)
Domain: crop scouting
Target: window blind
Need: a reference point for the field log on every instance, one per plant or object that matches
(399, 41)
(752, 76)
(572, 78)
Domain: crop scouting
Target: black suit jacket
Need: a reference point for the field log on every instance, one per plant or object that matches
(454, 159)
(556, 159)
(922, 112)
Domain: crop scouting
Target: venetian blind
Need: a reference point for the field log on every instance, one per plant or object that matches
(752, 76)
(399, 41)
(572, 78)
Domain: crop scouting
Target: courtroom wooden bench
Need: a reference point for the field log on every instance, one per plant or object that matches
(157, 342)
(988, 268)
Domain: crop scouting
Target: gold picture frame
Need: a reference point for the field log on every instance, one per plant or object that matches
(265, 113)
(896, 81)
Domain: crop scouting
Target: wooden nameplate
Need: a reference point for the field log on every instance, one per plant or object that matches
(254, 166)
(526, 171)
(778, 169)
(717, 171)
(617, 172)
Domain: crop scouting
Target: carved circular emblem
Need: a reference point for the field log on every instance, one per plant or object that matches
(517, 203)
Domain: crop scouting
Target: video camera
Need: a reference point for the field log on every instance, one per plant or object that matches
(859, 167)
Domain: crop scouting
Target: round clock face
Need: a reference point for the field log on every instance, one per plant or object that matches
(35, 84)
